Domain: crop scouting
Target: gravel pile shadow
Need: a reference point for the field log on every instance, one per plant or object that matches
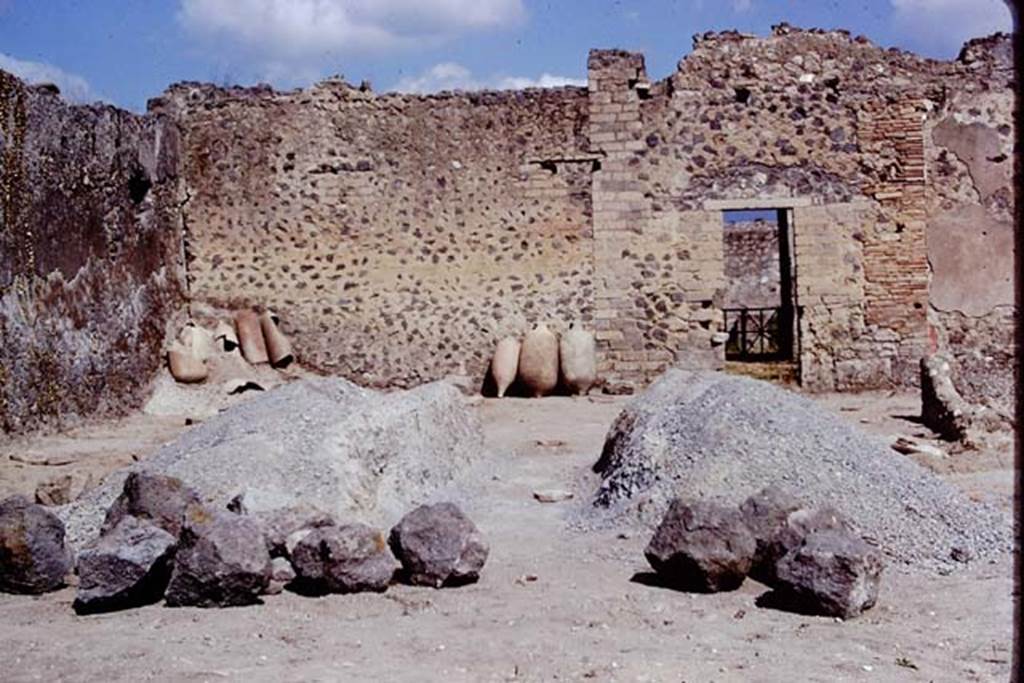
(353, 452)
(710, 435)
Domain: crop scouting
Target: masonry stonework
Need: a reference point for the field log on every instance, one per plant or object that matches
(399, 237)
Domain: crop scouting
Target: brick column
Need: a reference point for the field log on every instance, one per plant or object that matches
(619, 207)
(895, 254)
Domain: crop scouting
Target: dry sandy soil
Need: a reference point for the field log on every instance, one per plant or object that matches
(552, 604)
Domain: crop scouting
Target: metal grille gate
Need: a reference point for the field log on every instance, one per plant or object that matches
(755, 334)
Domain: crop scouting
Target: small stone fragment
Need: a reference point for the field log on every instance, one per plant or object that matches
(552, 495)
(342, 559)
(281, 574)
(127, 567)
(702, 547)
(63, 489)
(439, 546)
(33, 556)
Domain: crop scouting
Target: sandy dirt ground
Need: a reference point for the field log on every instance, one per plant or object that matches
(552, 603)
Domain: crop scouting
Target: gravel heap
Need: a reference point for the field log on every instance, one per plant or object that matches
(710, 435)
(355, 453)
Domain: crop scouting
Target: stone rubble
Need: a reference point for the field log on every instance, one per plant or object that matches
(701, 547)
(33, 555)
(128, 566)
(438, 546)
(222, 561)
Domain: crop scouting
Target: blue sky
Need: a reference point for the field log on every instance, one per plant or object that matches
(126, 51)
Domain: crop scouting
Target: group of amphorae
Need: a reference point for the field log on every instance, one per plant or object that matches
(257, 336)
(542, 358)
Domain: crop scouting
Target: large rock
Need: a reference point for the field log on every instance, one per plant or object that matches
(538, 361)
(343, 559)
(222, 560)
(779, 524)
(159, 499)
(126, 567)
(705, 435)
(438, 546)
(33, 555)
(701, 547)
(832, 572)
(351, 452)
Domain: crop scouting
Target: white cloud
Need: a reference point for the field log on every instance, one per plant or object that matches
(545, 80)
(453, 76)
(73, 88)
(740, 6)
(283, 36)
(944, 25)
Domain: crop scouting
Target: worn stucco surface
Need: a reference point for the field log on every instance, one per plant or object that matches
(88, 256)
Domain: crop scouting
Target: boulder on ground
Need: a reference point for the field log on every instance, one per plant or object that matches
(702, 547)
(154, 497)
(222, 560)
(538, 361)
(127, 567)
(833, 572)
(342, 559)
(33, 556)
(438, 546)
(779, 524)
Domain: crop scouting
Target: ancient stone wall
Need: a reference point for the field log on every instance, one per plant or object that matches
(970, 202)
(752, 273)
(397, 237)
(89, 256)
(829, 127)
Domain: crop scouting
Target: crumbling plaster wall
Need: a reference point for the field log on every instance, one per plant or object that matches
(397, 237)
(971, 204)
(89, 256)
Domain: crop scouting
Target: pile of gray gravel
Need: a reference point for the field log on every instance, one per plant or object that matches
(715, 436)
(353, 452)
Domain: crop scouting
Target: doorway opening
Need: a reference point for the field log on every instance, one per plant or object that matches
(758, 304)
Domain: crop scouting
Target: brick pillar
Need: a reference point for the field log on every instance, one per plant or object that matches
(895, 254)
(619, 208)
